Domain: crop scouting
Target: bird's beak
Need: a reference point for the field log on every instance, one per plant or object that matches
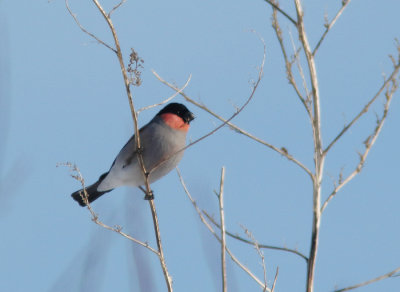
(190, 117)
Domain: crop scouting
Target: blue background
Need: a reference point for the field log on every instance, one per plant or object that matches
(62, 99)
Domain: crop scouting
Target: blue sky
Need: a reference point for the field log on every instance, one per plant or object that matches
(62, 99)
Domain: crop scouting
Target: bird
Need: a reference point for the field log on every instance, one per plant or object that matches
(161, 144)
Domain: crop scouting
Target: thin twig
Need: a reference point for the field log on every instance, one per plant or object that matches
(259, 252)
(328, 26)
(223, 236)
(167, 277)
(237, 112)
(209, 227)
(314, 79)
(275, 5)
(128, 92)
(169, 98)
(276, 277)
(85, 30)
(124, 74)
(127, 83)
(95, 218)
(252, 243)
(281, 151)
(157, 232)
(301, 72)
(365, 108)
(369, 142)
(116, 7)
(385, 276)
(248, 271)
(118, 52)
(288, 63)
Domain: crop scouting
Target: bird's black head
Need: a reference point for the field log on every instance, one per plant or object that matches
(177, 109)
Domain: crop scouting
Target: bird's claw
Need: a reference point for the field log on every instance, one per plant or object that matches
(149, 196)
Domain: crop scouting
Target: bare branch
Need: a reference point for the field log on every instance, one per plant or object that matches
(85, 30)
(365, 109)
(275, 5)
(209, 227)
(303, 78)
(238, 111)
(313, 76)
(369, 142)
(95, 218)
(328, 25)
(124, 74)
(247, 270)
(159, 245)
(276, 277)
(385, 276)
(319, 158)
(259, 252)
(169, 98)
(128, 83)
(372, 138)
(281, 151)
(118, 52)
(116, 7)
(288, 64)
(223, 237)
(296, 252)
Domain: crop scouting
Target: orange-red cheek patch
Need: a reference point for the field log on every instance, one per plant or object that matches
(175, 122)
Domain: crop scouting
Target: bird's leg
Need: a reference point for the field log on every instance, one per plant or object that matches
(147, 196)
(139, 150)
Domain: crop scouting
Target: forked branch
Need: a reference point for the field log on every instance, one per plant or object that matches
(116, 7)
(260, 245)
(275, 5)
(289, 64)
(365, 109)
(281, 150)
(85, 30)
(167, 99)
(214, 233)
(236, 113)
(328, 25)
(261, 255)
(369, 142)
(95, 218)
(318, 148)
(128, 84)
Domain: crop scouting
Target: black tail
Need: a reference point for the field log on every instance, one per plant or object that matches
(92, 192)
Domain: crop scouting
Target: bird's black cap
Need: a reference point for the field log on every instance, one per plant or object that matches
(178, 109)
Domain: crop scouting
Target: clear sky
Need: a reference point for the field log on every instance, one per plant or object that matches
(62, 99)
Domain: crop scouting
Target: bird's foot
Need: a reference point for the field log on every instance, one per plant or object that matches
(149, 196)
